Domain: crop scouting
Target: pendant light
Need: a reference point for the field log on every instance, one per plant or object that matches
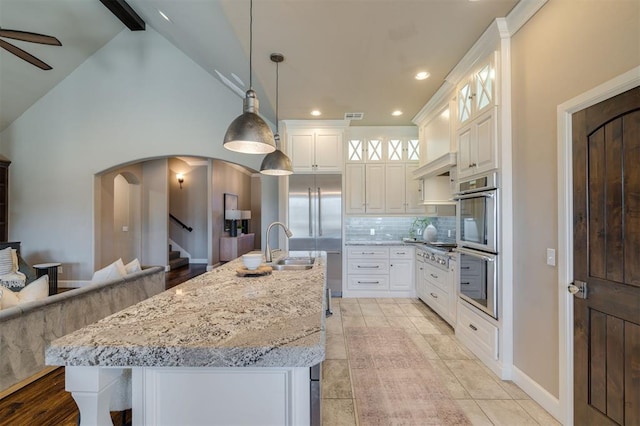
(249, 133)
(276, 163)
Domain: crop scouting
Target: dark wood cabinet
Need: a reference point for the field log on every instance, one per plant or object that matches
(4, 198)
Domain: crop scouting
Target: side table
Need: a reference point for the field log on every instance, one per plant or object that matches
(50, 269)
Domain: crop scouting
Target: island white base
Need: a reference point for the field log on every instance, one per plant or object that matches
(196, 396)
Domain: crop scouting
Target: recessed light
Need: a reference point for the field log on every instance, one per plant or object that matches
(316, 113)
(396, 113)
(422, 75)
(166, 18)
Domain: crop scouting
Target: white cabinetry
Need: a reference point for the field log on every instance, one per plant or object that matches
(477, 93)
(315, 146)
(439, 291)
(364, 190)
(477, 132)
(478, 333)
(401, 261)
(477, 145)
(379, 171)
(402, 191)
(379, 271)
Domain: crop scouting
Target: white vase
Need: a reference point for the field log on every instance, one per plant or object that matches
(430, 233)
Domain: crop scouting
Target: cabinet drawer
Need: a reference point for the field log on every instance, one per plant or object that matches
(438, 300)
(368, 252)
(401, 253)
(368, 282)
(362, 266)
(437, 277)
(479, 331)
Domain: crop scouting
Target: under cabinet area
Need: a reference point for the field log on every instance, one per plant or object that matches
(379, 271)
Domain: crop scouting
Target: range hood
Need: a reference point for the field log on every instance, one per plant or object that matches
(436, 167)
(436, 179)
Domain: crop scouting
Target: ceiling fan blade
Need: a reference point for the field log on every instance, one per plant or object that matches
(24, 55)
(30, 37)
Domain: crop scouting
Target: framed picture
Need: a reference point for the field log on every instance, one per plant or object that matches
(230, 203)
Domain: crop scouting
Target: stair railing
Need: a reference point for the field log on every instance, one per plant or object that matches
(179, 222)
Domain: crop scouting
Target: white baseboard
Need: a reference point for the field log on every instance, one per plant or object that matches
(538, 393)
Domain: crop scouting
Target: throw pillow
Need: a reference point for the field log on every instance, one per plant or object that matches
(14, 280)
(6, 261)
(37, 290)
(109, 272)
(133, 266)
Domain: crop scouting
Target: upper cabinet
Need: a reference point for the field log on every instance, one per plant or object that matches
(476, 124)
(380, 162)
(478, 145)
(476, 93)
(389, 144)
(315, 146)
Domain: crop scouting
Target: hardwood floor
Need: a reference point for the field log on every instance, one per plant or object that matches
(45, 402)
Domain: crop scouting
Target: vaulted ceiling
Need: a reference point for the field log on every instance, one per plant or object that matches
(340, 55)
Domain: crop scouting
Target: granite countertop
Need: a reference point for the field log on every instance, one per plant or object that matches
(214, 320)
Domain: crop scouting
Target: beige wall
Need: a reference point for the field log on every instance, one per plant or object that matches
(567, 48)
(227, 178)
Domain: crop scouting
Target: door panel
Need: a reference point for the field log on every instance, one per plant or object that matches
(606, 166)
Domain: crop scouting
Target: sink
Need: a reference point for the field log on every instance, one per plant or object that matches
(294, 264)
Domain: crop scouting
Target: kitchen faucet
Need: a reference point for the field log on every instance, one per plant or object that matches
(267, 250)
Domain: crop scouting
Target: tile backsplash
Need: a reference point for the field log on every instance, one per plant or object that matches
(361, 228)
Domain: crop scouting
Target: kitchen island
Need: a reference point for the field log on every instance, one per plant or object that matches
(217, 349)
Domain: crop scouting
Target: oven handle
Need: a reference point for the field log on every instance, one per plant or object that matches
(476, 254)
(487, 194)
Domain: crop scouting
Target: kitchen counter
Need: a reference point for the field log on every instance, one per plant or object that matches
(250, 329)
(375, 243)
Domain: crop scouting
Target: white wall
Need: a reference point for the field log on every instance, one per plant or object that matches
(155, 213)
(137, 98)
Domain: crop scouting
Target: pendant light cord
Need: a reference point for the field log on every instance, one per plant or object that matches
(277, 95)
(250, 44)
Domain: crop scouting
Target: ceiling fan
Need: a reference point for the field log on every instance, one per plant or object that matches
(31, 38)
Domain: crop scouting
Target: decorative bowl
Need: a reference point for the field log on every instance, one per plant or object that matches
(252, 260)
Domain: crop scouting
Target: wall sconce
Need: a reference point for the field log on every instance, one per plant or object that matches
(245, 215)
(233, 216)
(180, 178)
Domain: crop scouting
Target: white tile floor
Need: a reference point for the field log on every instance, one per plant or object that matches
(484, 398)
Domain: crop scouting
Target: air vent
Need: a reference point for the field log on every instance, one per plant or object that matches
(353, 115)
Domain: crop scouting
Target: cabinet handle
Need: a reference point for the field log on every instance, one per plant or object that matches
(473, 327)
(366, 252)
(434, 276)
(464, 283)
(465, 267)
(400, 252)
(368, 282)
(368, 267)
(435, 296)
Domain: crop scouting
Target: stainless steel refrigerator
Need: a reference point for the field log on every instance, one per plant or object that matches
(315, 218)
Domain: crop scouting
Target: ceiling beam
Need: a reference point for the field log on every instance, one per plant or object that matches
(125, 13)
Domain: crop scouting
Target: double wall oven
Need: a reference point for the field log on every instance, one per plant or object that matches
(477, 217)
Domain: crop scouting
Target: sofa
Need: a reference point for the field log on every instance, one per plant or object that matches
(27, 329)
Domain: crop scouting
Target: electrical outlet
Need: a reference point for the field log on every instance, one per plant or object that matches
(125, 229)
(551, 257)
(372, 231)
(59, 270)
(448, 232)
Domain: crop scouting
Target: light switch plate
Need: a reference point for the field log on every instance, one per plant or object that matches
(551, 257)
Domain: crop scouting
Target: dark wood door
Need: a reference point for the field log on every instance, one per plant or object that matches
(606, 190)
